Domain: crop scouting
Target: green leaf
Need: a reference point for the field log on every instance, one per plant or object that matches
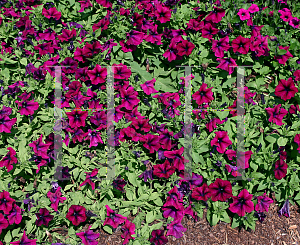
(150, 217)
(108, 229)
(215, 219)
(282, 141)
(222, 114)
(282, 52)
(135, 67)
(132, 179)
(23, 61)
(271, 138)
(235, 221)
(8, 237)
(158, 202)
(164, 85)
(225, 217)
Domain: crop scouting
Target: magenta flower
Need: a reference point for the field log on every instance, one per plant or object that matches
(27, 107)
(6, 203)
(203, 95)
(297, 140)
(286, 89)
(3, 223)
(158, 237)
(89, 237)
(216, 15)
(219, 46)
(128, 229)
(129, 96)
(6, 123)
(151, 142)
(39, 148)
(121, 71)
(212, 124)
(242, 203)
(178, 159)
(286, 14)
(134, 38)
(56, 198)
(221, 141)
(76, 214)
(163, 14)
(89, 177)
(9, 159)
(51, 13)
(175, 229)
(171, 53)
(85, 4)
(25, 240)
(276, 114)
(97, 75)
(119, 184)
(294, 22)
(253, 8)
(244, 14)
(94, 137)
(164, 170)
(77, 118)
(148, 87)
(173, 209)
(280, 169)
(263, 203)
(241, 45)
(201, 193)
(113, 218)
(226, 64)
(43, 217)
(15, 215)
(220, 190)
(282, 59)
(209, 30)
(185, 48)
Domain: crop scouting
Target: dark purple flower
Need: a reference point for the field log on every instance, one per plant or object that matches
(158, 237)
(76, 214)
(113, 219)
(43, 217)
(15, 215)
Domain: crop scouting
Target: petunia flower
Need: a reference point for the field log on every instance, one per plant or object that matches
(175, 229)
(84, 4)
(27, 107)
(94, 137)
(128, 229)
(185, 48)
(253, 8)
(89, 177)
(203, 95)
(242, 203)
(227, 64)
(216, 15)
(173, 209)
(25, 240)
(163, 14)
(97, 75)
(220, 190)
(6, 202)
(244, 14)
(285, 210)
(276, 114)
(134, 38)
(297, 140)
(201, 193)
(219, 46)
(113, 218)
(3, 223)
(56, 198)
(282, 59)
(148, 172)
(241, 45)
(43, 217)
(212, 124)
(221, 141)
(40, 148)
(77, 118)
(178, 159)
(151, 142)
(51, 13)
(9, 159)
(119, 184)
(76, 214)
(286, 89)
(15, 215)
(121, 71)
(294, 22)
(263, 203)
(158, 237)
(208, 31)
(164, 170)
(148, 87)
(280, 169)
(88, 237)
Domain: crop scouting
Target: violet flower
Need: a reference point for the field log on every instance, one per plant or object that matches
(285, 210)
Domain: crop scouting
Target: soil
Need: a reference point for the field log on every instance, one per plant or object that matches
(274, 230)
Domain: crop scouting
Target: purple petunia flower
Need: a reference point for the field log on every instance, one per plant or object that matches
(15, 215)
(43, 217)
(76, 214)
(3, 223)
(148, 172)
(113, 219)
(88, 237)
(285, 210)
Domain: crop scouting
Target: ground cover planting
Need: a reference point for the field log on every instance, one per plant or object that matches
(152, 109)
